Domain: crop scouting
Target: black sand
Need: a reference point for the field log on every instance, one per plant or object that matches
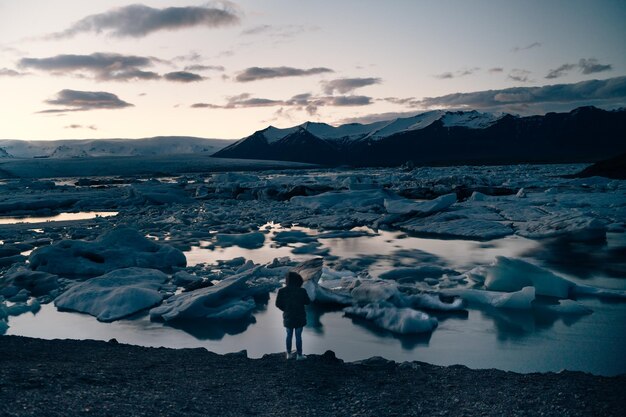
(90, 378)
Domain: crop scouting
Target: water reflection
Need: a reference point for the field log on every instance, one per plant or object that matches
(407, 341)
(84, 215)
(203, 329)
(583, 259)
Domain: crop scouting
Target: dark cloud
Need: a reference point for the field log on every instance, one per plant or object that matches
(461, 73)
(278, 31)
(259, 73)
(183, 77)
(346, 85)
(496, 70)
(257, 29)
(586, 66)
(560, 71)
(7, 72)
(138, 20)
(349, 101)
(101, 66)
(306, 102)
(444, 76)
(91, 127)
(591, 66)
(519, 75)
(407, 101)
(593, 92)
(109, 67)
(204, 68)
(524, 48)
(85, 100)
(205, 106)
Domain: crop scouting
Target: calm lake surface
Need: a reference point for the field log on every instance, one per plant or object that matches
(522, 341)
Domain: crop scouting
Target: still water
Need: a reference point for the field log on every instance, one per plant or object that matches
(522, 341)
(84, 215)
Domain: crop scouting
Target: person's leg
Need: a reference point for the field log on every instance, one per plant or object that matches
(299, 340)
(289, 338)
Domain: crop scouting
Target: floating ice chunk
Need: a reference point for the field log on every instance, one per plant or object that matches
(431, 302)
(370, 291)
(322, 295)
(293, 236)
(183, 278)
(310, 248)
(252, 240)
(235, 177)
(521, 299)
(573, 224)
(521, 193)
(508, 274)
(397, 320)
(423, 208)
(160, 194)
(458, 227)
(21, 296)
(20, 308)
(36, 282)
(115, 295)
(417, 273)
(115, 249)
(311, 271)
(478, 196)
(210, 302)
(360, 200)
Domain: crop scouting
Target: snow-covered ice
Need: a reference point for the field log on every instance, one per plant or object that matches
(397, 320)
(114, 249)
(116, 294)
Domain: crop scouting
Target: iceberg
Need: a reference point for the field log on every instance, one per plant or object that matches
(396, 320)
(421, 208)
(519, 300)
(118, 248)
(252, 240)
(116, 294)
(37, 283)
(507, 274)
(369, 291)
(359, 200)
(227, 299)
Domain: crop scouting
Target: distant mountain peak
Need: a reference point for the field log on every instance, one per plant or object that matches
(439, 136)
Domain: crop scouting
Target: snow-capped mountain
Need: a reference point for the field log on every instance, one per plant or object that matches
(160, 145)
(442, 137)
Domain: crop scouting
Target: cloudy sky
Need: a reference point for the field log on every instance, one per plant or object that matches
(112, 68)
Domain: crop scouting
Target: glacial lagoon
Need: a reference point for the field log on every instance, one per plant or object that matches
(211, 230)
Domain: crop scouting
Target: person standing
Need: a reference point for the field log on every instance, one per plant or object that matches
(291, 300)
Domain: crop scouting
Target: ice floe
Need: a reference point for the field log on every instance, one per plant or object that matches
(225, 300)
(116, 294)
(509, 275)
(397, 320)
(114, 249)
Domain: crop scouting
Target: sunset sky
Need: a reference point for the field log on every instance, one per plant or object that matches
(111, 68)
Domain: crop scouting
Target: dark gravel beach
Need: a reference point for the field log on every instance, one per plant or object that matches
(90, 378)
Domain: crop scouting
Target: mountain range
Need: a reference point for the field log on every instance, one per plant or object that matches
(439, 137)
(84, 148)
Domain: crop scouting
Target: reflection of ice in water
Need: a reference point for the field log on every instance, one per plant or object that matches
(459, 254)
(85, 215)
(479, 340)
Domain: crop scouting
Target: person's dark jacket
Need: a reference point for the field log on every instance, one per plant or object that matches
(291, 300)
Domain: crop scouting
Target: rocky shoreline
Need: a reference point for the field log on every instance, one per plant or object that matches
(92, 378)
